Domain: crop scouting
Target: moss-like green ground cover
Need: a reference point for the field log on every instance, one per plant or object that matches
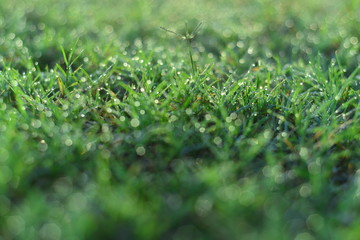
(110, 130)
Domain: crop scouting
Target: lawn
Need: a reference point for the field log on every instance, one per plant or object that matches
(154, 119)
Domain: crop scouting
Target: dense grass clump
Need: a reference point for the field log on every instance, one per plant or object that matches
(111, 128)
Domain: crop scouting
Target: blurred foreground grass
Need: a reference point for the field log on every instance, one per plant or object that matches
(106, 133)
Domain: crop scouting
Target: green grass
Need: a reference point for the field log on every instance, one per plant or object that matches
(110, 130)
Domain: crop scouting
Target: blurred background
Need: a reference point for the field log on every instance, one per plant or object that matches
(240, 31)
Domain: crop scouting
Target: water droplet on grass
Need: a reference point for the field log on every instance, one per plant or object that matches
(42, 146)
(134, 122)
(36, 124)
(305, 190)
(48, 113)
(217, 140)
(16, 224)
(68, 142)
(140, 151)
(50, 229)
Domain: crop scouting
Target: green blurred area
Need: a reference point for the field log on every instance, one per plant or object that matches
(105, 133)
(265, 28)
